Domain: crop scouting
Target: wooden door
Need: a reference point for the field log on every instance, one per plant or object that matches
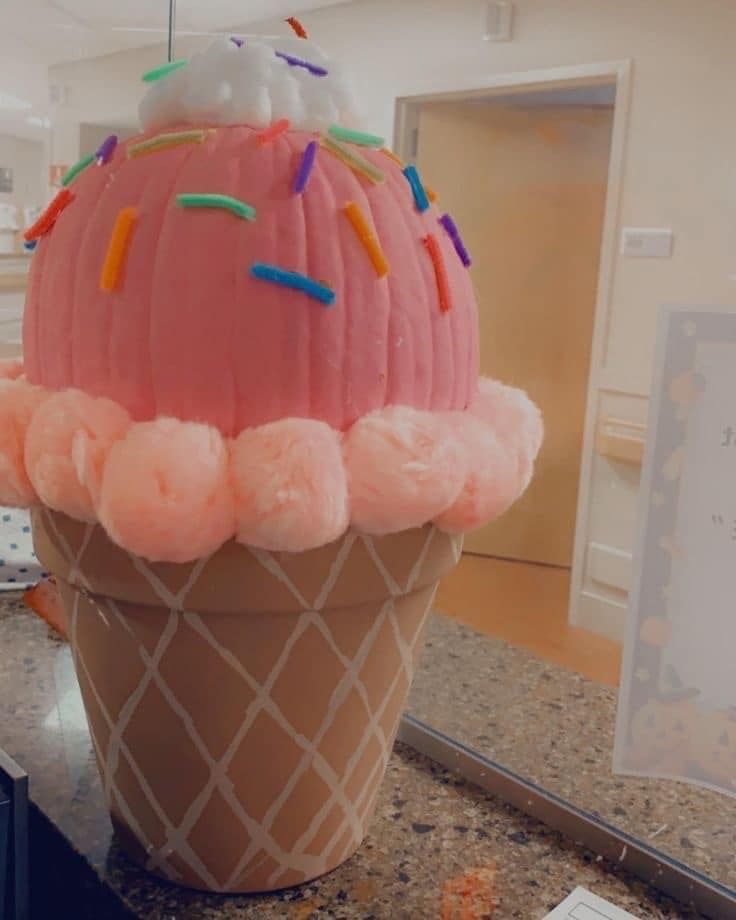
(527, 187)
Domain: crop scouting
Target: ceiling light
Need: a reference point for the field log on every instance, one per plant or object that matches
(9, 101)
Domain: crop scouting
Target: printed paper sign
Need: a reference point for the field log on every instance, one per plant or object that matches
(584, 905)
(677, 704)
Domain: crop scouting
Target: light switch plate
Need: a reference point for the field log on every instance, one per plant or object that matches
(499, 20)
(646, 243)
(584, 905)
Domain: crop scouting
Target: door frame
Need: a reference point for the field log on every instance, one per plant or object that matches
(618, 73)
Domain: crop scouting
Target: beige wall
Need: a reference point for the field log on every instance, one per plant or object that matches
(679, 166)
(91, 136)
(678, 173)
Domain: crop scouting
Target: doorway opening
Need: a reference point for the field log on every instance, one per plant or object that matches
(530, 170)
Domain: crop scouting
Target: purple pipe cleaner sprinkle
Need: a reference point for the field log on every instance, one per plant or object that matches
(106, 149)
(305, 169)
(451, 227)
(298, 62)
(237, 41)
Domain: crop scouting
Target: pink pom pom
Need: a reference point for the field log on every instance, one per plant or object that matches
(290, 486)
(514, 418)
(404, 468)
(18, 401)
(493, 482)
(165, 492)
(67, 444)
(11, 368)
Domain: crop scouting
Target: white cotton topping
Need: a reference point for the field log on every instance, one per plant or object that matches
(251, 85)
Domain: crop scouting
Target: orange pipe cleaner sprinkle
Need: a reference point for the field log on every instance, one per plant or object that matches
(273, 131)
(46, 221)
(117, 249)
(297, 27)
(440, 272)
(392, 156)
(368, 238)
(431, 194)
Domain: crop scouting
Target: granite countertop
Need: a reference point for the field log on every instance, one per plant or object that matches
(556, 728)
(431, 829)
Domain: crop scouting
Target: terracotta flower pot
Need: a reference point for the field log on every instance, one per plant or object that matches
(243, 708)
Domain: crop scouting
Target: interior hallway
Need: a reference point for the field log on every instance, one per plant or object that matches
(526, 605)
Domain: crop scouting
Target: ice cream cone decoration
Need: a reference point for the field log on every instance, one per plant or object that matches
(252, 430)
(263, 772)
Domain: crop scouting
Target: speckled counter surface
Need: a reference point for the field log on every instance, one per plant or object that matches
(430, 827)
(556, 728)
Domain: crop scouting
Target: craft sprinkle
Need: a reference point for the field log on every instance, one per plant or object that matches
(163, 70)
(368, 238)
(117, 249)
(106, 149)
(79, 167)
(166, 141)
(224, 202)
(292, 61)
(420, 195)
(305, 167)
(297, 27)
(356, 137)
(353, 160)
(47, 220)
(273, 131)
(295, 281)
(440, 272)
(451, 229)
(392, 156)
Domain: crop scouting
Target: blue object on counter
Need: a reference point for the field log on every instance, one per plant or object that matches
(14, 890)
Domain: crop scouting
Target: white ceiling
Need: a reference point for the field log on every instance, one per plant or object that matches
(38, 34)
(67, 30)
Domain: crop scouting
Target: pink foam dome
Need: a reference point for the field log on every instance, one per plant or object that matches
(176, 391)
(189, 333)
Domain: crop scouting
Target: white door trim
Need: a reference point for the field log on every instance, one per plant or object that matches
(620, 73)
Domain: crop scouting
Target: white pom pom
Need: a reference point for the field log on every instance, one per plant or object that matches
(220, 47)
(286, 101)
(253, 85)
(162, 103)
(250, 105)
(259, 62)
(206, 99)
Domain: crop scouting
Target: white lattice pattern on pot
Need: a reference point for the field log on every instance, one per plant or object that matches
(354, 808)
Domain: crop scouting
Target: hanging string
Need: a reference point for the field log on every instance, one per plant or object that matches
(172, 28)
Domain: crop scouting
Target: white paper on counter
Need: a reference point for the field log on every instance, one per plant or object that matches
(584, 905)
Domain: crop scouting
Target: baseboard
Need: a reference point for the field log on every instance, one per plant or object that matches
(609, 566)
(604, 616)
